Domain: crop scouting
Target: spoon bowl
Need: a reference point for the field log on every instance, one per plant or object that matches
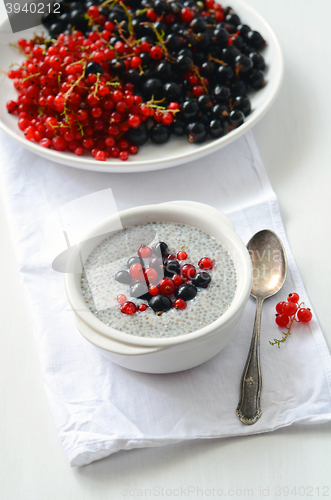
(269, 264)
(269, 273)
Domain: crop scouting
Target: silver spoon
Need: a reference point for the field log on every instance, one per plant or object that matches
(269, 273)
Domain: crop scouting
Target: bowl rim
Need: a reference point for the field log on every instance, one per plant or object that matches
(162, 212)
(158, 163)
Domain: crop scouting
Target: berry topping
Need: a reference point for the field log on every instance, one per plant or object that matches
(139, 290)
(149, 284)
(201, 280)
(186, 292)
(144, 252)
(160, 249)
(156, 263)
(151, 275)
(134, 260)
(160, 303)
(180, 304)
(178, 280)
(121, 299)
(123, 277)
(167, 287)
(171, 256)
(206, 263)
(128, 308)
(153, 290)
(137, 272)
(188, 271)
(171, 267)
(142, 307)
(304, 314)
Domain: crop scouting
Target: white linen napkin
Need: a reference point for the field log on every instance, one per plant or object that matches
(99, 407)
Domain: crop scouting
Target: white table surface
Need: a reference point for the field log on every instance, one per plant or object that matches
(295, 143)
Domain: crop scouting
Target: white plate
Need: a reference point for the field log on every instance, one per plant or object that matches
(151, 156)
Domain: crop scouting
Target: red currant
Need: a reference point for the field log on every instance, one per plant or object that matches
(93, 11)
(101, 155)
(289, 308)
(282, 320)
(198, 90)
(156, 52)
(145, 46)
(134, 121)
(137, 272)
(59, 143)
(178, 280)
(167, 287)
(188, 271)
(121, 299)
(46, 143)
(174, 106)
(128, 308)
(186, 15)
(206, 264)
(151, 275)
(142, 307)
(153, 289)
(136, 61)
(167, 118)
(181, 255)
(279, 307)
(144, 252)
(304, 314)
(293, 297)
(180, 304)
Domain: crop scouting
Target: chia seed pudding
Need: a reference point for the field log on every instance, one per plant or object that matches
(100, 289)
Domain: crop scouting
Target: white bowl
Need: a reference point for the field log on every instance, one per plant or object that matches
(172, 354)
(151, 156)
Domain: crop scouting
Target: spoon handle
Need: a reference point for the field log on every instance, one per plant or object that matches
(249, 407)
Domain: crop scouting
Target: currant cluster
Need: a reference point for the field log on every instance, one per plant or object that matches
(157, 276)
(288, 312)
(120, 73)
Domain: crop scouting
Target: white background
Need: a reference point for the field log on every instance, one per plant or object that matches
(295, 143)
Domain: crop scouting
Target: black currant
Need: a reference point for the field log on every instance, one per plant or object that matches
(243, 63)
(255, 39)
(201, 280)
(117, 66)
(190, 109)
(123, 277)
(186, 292)
(159, 133)
(258, 60)
(139, 290)
(218, 128)
(171, 267)
(160, 303)
(172, 91)
(243, 104)
(196, 132)
(160, 249)
(138, 136)
(236, 117)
